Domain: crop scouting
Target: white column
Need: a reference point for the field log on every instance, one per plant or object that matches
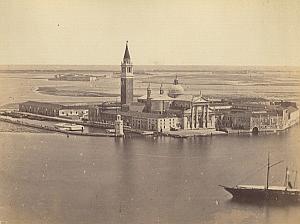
(196, 118)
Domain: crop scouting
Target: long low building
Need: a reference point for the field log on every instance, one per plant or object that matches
(42, 108)
(137, 120)
(66, 110)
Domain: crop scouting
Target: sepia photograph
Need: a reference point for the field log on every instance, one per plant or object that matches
(149, 111)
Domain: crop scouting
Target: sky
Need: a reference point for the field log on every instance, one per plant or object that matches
(160, 32)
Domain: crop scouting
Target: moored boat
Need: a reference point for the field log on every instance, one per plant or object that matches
(69, 127)
(285, 193)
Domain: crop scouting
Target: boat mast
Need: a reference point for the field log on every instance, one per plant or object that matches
(295, 179)
(268, 171)
(285, 178)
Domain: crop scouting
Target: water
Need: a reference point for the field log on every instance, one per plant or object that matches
(49, 178)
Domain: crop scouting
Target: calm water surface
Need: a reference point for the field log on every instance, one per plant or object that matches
(49, 178)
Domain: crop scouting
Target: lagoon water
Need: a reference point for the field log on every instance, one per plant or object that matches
(49, 178)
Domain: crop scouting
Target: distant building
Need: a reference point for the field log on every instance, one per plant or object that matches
(74, 112)
(64, 110)
(42, 108)
(260, 117)
(137, 120)
(73, 77)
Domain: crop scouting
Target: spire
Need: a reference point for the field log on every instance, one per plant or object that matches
(176, 81)
(126, 54)
(149, 91)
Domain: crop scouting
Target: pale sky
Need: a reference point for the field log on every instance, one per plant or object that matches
(196, 32)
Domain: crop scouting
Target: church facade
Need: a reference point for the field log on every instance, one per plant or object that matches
(193, 110)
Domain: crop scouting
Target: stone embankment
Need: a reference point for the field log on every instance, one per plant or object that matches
(53, 129)
(79, 122)
(193, 133)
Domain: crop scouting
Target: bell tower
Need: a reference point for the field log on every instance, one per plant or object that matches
(126, 78)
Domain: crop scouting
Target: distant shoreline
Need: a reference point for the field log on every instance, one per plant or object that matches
(74, 93)
(144, 68)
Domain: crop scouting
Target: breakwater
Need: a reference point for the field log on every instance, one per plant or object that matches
(53, 129)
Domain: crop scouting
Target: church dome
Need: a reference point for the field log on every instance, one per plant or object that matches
(176, 89)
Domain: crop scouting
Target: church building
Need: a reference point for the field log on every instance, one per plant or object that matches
(193, 110)
(161, 111)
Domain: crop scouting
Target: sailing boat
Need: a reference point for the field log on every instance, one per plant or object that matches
(285, 193)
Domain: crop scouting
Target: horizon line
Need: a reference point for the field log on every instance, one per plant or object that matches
(231, 65)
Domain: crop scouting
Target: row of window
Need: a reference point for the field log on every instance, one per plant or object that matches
(170, 120)
(71, 112)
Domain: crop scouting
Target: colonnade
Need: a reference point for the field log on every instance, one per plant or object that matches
(199, 116)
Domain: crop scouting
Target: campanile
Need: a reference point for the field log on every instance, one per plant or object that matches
(126, 78)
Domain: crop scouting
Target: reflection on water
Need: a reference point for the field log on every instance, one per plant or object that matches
(271, 212)
(270, 204)
(53, 179)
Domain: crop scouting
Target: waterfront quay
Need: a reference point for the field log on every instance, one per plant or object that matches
(193, 133)
(96, 129)
(48, 126)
